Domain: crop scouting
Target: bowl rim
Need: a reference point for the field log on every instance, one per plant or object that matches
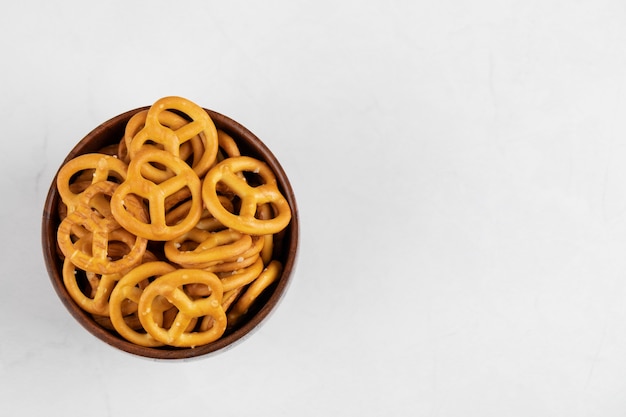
(251, 145)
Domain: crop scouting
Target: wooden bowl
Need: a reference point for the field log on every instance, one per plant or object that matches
(285, 250)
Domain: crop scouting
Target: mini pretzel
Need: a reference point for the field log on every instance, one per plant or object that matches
(246, 221)
(156, 227)
(98, 301)
(211, 247)
(129, 288)
(254, 290)
(96, 223)
(138, 121)
(199, 125)
(231, 280)
(136, 138)
(100, 167)
(170, 286)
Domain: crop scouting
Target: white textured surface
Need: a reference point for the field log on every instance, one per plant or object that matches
(459, 168)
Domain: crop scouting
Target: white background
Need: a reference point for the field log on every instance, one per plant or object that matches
(461, 178)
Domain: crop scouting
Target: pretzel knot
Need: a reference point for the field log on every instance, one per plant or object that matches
(171, 287)
(171, 123)
(85, 235)
(228, 173)
(87, 169)
(129, 289)
(156, 195)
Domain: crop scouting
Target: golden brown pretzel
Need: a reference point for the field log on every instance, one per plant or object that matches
(170, 286)
(209, 247)
(254, 290)
(99, 167)
(138, 121)
(162, 129)
(246, 221)
(137, 136)
(95, 298)
(244, 260)
(92, 220)
(129, 288)
(156, 227)
(97, 302)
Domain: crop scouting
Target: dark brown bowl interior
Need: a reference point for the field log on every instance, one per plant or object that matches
(111, 132)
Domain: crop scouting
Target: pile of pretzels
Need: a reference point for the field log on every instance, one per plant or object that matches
(167, 236)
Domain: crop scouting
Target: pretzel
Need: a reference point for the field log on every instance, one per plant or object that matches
(162, 127)
(129, 288)
(93, 220)
(156, 228)
(99, 167)
(136, 138)
(138, 121)
(231, 280)
(235, 263)
(98, 300)
(210, 247)
(252, 197)
(95, 299)
(254, 290)
(170, 286)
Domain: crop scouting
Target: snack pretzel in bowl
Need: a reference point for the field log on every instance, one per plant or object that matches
(234, 259)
